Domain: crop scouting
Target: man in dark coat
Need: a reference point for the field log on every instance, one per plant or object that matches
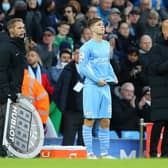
(11, 68)
(125, 116)
(158, 80)
(69, 100)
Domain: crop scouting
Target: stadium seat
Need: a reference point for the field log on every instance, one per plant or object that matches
(114, 135)
(130, 134)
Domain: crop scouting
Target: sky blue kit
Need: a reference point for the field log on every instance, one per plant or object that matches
(94, 65)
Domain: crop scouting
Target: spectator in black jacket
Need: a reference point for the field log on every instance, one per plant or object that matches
(144, 105)
(11, 68)
(69, 100)
(131, 71)
(49, 17)
(144, 55)
(125, 115)
(69, 15)
(33, 21)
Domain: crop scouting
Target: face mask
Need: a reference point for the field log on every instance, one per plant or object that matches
(39, 2)
(64, 64)
(5, 6)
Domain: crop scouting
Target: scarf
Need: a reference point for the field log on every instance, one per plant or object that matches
(37, 75)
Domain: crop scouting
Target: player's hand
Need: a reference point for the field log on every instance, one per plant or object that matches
(102, 83)
(116, 80)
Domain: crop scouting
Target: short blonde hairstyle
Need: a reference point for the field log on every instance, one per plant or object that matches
(153, 15)
(12, 22)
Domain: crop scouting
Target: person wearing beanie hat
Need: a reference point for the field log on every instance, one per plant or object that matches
(49, 18)
(33, 21)
(20, 9)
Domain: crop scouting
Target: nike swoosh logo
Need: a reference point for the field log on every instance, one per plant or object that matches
(17, 54)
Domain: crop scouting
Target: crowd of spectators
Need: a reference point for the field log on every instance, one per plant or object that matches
(55, 30)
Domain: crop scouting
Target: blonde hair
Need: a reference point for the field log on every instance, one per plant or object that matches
(11, 23)
(153, 14)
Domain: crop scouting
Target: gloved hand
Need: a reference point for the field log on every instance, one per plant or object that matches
(13, 97)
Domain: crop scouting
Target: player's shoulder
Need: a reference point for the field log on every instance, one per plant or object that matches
(87, 44)
(90, 43)
(106, 42)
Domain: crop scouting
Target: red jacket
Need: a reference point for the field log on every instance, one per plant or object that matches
(45, 82)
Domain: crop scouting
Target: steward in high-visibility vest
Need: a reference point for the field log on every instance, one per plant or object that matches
(33, 89)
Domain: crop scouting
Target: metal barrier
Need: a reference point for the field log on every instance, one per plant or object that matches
(148, 126)
(141, 138)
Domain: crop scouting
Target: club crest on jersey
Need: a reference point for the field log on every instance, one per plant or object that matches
(81, 56)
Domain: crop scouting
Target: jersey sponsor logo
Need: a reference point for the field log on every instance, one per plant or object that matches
(81, 56)
(16, 54)
(100, 60)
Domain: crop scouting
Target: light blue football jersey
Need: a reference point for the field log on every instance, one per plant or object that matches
(94, 62)
(94, 65)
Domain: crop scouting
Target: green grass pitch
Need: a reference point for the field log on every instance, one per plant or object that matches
(82, 163)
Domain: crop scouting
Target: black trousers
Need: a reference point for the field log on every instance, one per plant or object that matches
(2, 121)
(72, 126)
(155, 136)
